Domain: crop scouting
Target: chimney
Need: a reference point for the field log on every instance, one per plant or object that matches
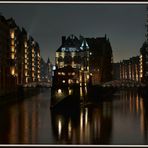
(63, 39)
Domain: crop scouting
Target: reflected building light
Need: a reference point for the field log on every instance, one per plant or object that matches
(85, 90)
(82, 132)
(69, 129)
(131, 108)
(81, 120)
(141, 116)
(137, 104)
(81, 93)
(86, 116)
(59, 128)
(13, 133)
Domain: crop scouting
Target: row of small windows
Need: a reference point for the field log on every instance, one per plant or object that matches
(76, 59)
(68, 60)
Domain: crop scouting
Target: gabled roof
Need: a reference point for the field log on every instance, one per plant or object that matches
(72, 43)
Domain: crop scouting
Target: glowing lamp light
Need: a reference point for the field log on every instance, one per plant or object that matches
(59, 91)
(54, 68)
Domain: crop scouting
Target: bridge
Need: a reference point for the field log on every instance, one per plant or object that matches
(36, 84)
(123, 84)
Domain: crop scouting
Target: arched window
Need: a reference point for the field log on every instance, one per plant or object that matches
(60, 59)
(68, 59)
(77, 59)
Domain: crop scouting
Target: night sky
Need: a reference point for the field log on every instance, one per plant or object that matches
(124, 24)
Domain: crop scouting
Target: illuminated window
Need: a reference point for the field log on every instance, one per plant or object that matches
(12, 34)
(12, 56)
(70, 91)
(73, 54)
(12, 42)
(26, 67)
(12, 48)
(25, 56)
(70, 81)
(33, 74)
(13, 71)
(25, 44)
(25, 73)
(63, 73)
(62, 54)
(25, 50)
(26, 80)
(87, 76)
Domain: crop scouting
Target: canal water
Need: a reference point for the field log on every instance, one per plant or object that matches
(121, 119)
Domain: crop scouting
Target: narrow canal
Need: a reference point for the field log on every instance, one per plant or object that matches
(122, 119)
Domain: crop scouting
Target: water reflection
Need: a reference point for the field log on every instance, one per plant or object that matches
(122, 120)
(20, 122)
(89, 126)
(23, 123)
(129, 111)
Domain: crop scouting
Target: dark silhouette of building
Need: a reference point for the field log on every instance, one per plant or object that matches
(100, 59)
(46, 71)
(116, 71)
(7, 77)
(144, 55)
(144, 62)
